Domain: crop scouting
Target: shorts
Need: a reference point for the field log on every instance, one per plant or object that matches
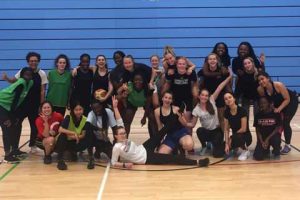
(172, 139)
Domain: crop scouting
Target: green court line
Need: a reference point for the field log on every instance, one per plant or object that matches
(8, 171)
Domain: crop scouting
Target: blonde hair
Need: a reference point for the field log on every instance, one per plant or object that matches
(254, 67)
(169, 50)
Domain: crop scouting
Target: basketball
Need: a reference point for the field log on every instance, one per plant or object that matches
(100, 93)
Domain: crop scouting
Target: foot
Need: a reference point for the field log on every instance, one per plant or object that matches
(203, 151)
(97, 154)
(286, 149)
(203, 162)
(91, 164)
(34, 149)
(19, 153)
(209, 145)
(61, 165)
(74, 156)
(11, 159)
(47, 159)
(244, 155)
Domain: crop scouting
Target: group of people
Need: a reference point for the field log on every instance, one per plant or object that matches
(172, 95)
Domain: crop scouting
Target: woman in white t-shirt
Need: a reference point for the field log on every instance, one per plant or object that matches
(129, 153)
(206, 111)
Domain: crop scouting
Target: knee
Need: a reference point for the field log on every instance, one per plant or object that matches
(49, 141)
(164, 149)
(188, 144)
(200, 131)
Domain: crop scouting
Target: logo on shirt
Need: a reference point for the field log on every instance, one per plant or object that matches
(267, 122)
(181, 81)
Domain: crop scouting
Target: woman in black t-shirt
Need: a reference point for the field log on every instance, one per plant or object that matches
(235, 118)
(268, 126)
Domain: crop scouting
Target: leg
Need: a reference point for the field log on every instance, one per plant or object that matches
(202, 134)
(187, 142)
(152, 127)
(160, 159)
(61, 145)
(221, 111)
(129, 113)
(32, 115)
(275, 143)
(49, 144)
(165, 149)
(218, 143)
(259, 152)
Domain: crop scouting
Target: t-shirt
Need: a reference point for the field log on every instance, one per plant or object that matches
(128, 151)
(136, 98)
(181, 85)
(208, 121)
(235, 120)
(54, 123)
(267, 122)
(248, 86)
(101, 134)
(82, 90)
(59, 87)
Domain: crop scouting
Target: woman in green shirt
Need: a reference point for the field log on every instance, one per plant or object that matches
(10, 99)
(59, 86)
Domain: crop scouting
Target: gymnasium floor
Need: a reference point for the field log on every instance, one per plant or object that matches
(229, 179)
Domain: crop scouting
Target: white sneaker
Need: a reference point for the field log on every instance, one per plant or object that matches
(34, 149)
(203, 151)
(244, 155)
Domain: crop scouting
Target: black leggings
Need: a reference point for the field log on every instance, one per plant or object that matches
(10, 135)
(288, 114)
(157, 158)
(241, 140)
(215, 136)
(260, 152)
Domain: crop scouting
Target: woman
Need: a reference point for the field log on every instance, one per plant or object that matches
(206, 111)
(235, 118)
(101, 79)
(72, 134)
(98, 122)
(212, 82)
(82, 84)
(248, 85)
(221, 50)
(184, 87)
(177, 133)
(47, 125)
(116, 74)
(284, 101)
(10, 99)
(170, 59)
(134, 95)
(126, 153)
(268, 125)
(59, 88)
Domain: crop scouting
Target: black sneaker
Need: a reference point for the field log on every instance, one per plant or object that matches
(74, 156)
(203, 162)
(97, 154)
(91, 164)
(47, 159)
(61, 165)
(19, 153)
(11, 159)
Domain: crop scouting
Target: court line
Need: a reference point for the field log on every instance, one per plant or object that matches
(5, 174)
(103, 182)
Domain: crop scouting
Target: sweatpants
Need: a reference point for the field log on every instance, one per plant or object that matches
(260, 152)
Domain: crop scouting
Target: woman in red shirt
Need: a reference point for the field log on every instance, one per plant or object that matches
(47, 125)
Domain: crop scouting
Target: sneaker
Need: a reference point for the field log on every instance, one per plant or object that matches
(19, 153)
(209, 145)
(91, 164)
(244, 155)
(286, 149)
(74, 156)
(33, 150)
(11, 159)
(61, 165)
(47, 160)
(203, 162)
(97, 155)
(203, 151)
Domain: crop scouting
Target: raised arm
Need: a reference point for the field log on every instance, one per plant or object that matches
(221, 87)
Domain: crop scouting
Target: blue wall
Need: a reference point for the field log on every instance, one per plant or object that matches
(143, 28)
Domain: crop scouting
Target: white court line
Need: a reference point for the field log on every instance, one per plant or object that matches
(103, 182)
(297, 126)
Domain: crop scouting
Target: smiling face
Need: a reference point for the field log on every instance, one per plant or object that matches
(97, 108)
(212, 61)
(138, 82)
(78, 111)
(181, 66)
(33, 62)
(85, 62)
(167, 99)
(263, 81)
(221, 50)
(118, 59)
(61, 64)
(229, 99)
(46, 109)
(170, 59)
(101, 61)
(243, 51)
(120, 135)
(264, 104)
(27, 75)
(248, 65)
(128, 64)
(154, 62)
(203, 96)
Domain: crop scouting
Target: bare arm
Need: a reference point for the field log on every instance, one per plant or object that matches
(193, 122)
(285, 94)
(8, 79)
(165, 87)
(221, 87)
(43, 91)
(157, 118)
(243, 128)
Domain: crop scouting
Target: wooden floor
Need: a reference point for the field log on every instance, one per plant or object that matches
(230, 179)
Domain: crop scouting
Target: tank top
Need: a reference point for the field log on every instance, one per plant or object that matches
(276, 97)
(100, 82)
(165, 119)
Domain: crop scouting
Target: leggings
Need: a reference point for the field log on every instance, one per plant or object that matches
(157, 158)
(288, 114)
(260, 152)
(241, 140)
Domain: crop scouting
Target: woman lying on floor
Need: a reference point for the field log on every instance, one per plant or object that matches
(130, 153)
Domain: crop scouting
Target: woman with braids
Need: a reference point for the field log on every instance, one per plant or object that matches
(126, 153)
(284, 101)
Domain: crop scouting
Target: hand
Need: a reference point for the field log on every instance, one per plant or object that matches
(114, 101)
(262, 58)
(171, 71)
(227, 148)
(265, 144)
(128, 165)
(277, 110)
(44, 117)
(151, 86)
(76, 138)
(7, 123)
(224, 71)
(4, 76)
(189, 71)
(74, 71)
(143, 121)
